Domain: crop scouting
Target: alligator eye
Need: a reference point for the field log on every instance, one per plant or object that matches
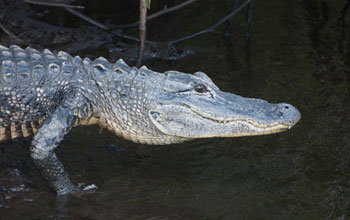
(200, 88)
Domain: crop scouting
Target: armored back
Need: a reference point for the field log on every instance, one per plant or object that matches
(32, 85)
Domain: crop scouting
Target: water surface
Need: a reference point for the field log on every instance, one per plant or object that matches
(298, 53)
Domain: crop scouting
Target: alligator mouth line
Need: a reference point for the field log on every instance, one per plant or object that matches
(241, 126)
(259, 126)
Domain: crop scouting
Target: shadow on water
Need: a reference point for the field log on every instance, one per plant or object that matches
(298, 53)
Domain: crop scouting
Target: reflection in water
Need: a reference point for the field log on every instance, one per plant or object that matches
(299, 54)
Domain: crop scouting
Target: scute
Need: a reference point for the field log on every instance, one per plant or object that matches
(38, 72)
(53, 69)
(8, 71)
(23, 69)
(101, 69)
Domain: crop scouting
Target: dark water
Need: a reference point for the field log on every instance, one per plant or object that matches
(298, 53)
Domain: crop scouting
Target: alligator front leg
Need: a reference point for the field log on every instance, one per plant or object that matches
(46, 140)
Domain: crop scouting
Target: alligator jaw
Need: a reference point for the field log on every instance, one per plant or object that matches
(182, 120)
(254, 125)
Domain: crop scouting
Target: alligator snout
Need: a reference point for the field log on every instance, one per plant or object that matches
(288, 113)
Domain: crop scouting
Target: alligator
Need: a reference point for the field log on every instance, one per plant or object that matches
(45, 94)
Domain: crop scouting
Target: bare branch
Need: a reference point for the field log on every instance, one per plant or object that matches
(104, 27)
(87, 19)
(211, 29)
(159, 13)
(249, 18)
(52, 4)
(9, 33)
(229, 22)
(142, 33)
(142, 27)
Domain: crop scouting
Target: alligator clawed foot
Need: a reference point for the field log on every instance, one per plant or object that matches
(79, 190)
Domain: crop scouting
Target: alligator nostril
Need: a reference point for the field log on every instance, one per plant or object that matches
(286, 107)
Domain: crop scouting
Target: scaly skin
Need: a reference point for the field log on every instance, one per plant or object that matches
(46, 94)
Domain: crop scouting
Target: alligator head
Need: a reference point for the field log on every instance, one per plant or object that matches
(176, 107)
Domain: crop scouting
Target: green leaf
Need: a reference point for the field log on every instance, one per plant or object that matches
(148, 3)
